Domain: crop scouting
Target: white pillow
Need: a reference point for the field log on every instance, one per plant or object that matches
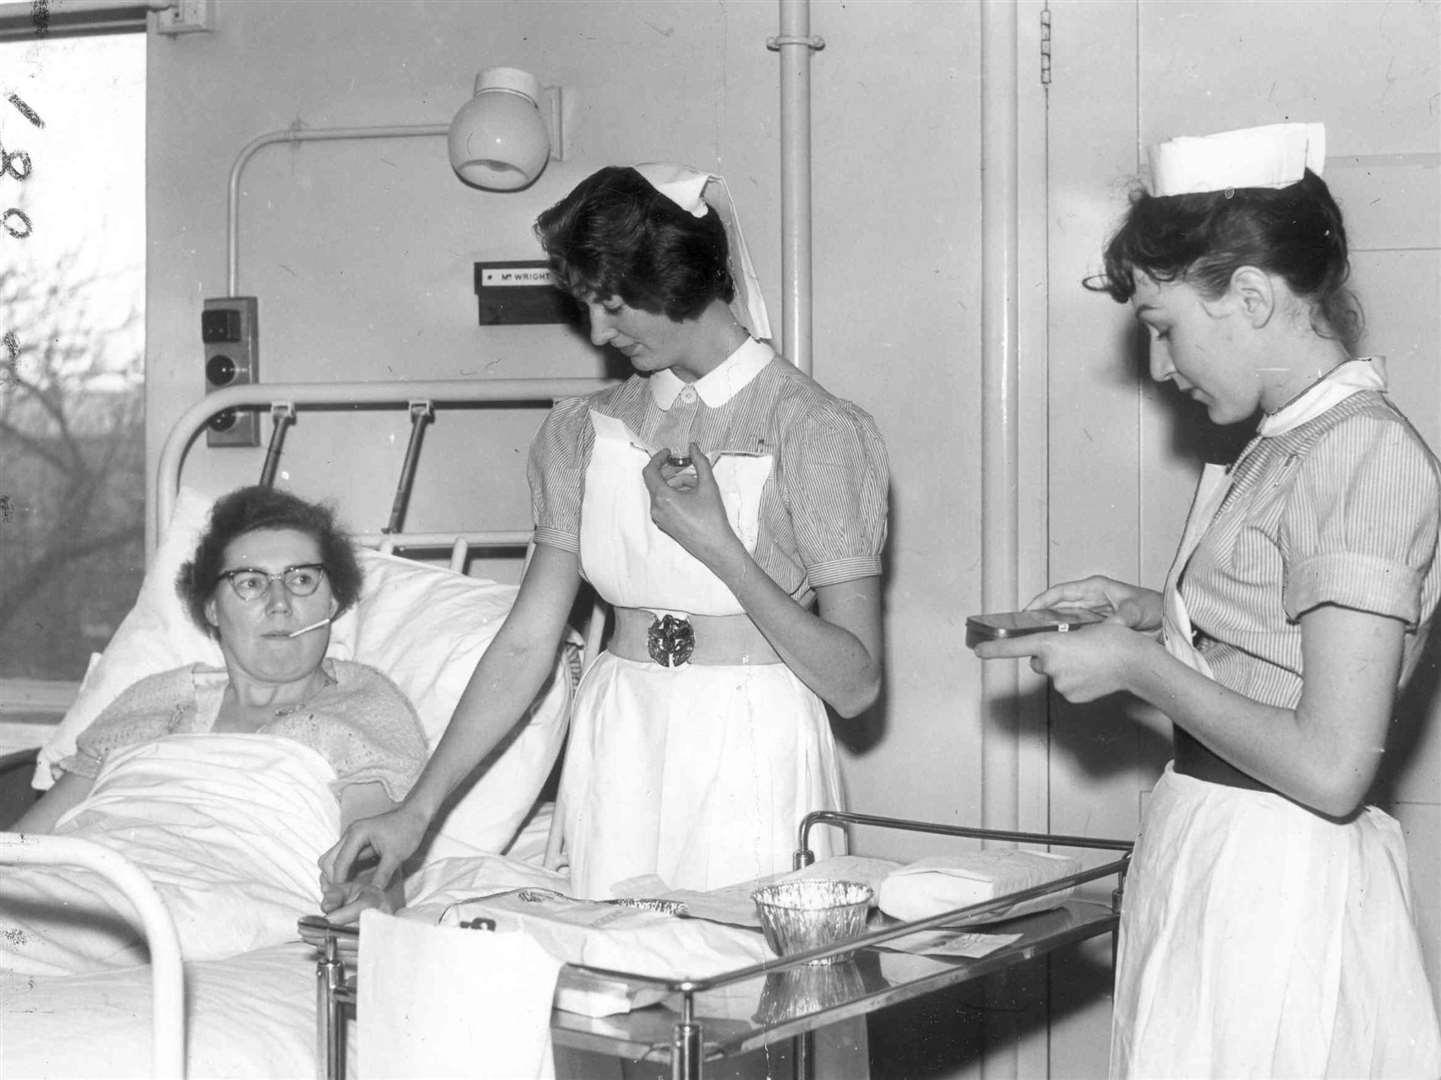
(427, 628)
(423, 626)
(156, 635)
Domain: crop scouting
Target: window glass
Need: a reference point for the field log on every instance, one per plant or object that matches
(72, 305)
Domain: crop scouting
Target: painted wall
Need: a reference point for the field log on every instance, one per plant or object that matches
(360, 254)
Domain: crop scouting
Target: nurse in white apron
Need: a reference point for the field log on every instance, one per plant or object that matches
(1267, 927)
(731, 512)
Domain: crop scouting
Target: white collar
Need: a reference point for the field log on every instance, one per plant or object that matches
(721, 383)
(1345, 379)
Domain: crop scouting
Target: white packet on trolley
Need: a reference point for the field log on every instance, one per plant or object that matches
(928, 887)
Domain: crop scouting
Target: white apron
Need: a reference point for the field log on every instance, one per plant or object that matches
(1257, 938)
(699, 773)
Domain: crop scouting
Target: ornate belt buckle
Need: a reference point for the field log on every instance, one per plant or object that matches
(670, 640)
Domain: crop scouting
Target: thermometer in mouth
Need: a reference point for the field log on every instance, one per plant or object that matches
(306, 629)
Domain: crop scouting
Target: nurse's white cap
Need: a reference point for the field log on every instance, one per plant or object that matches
(1272, 156)
(695, 192)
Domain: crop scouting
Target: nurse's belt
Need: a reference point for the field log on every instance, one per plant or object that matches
(695, 191)
(1272, 156)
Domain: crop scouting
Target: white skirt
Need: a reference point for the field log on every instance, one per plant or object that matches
(699, 774)
(1260, 940)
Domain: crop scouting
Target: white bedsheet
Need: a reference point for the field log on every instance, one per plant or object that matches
(228, 828)
(249, 1016)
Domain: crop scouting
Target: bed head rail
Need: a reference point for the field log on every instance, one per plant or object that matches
(284, 400)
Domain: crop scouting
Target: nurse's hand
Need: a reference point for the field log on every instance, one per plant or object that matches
(691, 514)
(391, 838)
(1123, 604)
(1083, 664)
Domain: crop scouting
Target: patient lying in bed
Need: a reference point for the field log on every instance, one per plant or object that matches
(224, 785)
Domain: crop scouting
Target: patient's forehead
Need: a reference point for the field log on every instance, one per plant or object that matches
(271, 549)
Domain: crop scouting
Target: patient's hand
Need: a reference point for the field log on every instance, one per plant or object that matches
(343, 902)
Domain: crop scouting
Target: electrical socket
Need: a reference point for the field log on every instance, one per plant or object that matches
(229, 329)
(183, 17)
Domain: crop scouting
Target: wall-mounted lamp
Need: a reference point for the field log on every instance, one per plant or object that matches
(502, 138)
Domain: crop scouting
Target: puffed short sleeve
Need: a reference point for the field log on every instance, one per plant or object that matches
(1361, 528)
(556, 471)
(837, 481)
(145, 711)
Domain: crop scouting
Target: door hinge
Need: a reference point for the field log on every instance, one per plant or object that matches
(1045, 46)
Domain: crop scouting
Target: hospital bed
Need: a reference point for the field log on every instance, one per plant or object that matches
(252, 1014)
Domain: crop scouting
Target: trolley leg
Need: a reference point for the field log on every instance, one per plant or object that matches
(686, 1043)
(330, 1014)
(803, 1056)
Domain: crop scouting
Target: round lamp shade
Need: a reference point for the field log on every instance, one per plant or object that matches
(498, 139)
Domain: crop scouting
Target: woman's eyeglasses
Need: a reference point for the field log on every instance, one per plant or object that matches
(251, 584)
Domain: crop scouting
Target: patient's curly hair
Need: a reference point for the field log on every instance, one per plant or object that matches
(615, 235)
(249, 509)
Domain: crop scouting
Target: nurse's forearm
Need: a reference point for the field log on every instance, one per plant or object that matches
(831, 660)
(503, 686)
(499, 693)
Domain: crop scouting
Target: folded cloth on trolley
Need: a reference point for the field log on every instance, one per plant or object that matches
(634, 936)
(866, 869)
(441, 1001)
(930, 886)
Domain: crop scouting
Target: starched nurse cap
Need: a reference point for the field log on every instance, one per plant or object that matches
(1272, 156)
(695, 191)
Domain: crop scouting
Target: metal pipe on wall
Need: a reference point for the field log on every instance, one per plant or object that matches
(295, 135)
(1000, 442)
(1000, 392)
(795, 45)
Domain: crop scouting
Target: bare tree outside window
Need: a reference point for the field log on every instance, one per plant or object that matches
(72, 490)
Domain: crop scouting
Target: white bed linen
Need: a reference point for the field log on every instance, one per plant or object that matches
(227, 827)
(250, 1016)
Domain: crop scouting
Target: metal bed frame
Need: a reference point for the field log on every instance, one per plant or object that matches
(681, 1034)
(167, 973)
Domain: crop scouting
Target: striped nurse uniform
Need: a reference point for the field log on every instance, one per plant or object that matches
(1259, 938)
(697, 766)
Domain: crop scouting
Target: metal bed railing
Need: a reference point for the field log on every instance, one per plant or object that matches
(166, 970)
(685, 1047)
(418, 398)
(282, 400)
